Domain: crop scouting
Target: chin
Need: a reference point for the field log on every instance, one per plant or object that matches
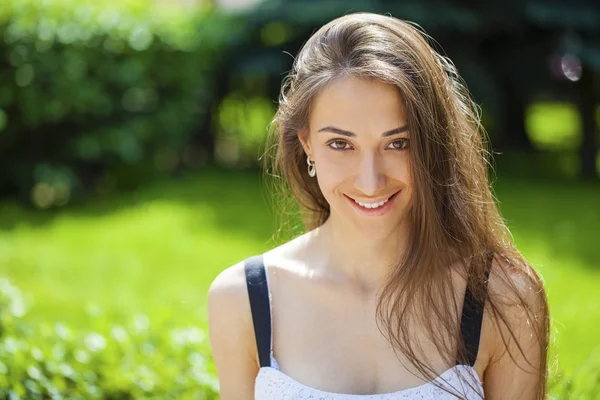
(370, 228)
(377, 229)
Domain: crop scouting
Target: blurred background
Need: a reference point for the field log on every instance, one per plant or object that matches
(130, 134)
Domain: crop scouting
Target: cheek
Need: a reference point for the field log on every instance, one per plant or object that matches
(332, 171)
(331, 175)
(398, 168)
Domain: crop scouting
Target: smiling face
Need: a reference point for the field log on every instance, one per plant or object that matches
(359, 141)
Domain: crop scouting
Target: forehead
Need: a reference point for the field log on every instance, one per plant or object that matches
(358, 104)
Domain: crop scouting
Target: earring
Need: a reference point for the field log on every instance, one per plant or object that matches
(311, 167)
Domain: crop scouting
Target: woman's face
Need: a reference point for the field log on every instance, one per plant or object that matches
(359, 141)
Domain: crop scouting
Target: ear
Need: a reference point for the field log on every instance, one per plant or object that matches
(304, 140)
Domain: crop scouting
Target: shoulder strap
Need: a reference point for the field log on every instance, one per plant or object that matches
(471, 320)
(258, 292)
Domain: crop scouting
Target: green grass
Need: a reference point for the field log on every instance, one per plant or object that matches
(556, 227)
(160, 247)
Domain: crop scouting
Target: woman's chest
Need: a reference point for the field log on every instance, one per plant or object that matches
(331, 341)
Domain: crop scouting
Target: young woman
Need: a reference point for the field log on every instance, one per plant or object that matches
(406, 284)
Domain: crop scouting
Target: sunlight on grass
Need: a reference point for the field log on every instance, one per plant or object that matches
(163, 251)
(555, 227)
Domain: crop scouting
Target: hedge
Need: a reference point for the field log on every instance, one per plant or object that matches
(99, 94)
(141, 359)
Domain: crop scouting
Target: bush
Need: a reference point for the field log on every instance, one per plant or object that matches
(95, 95)
(140, 359)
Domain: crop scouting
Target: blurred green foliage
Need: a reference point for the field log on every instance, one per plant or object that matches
(142, 359)
(98, 94)
(555, 126)
(243, 124)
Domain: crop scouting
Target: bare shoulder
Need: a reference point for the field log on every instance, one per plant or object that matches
(519, 324)
(229, 286)
(519, 298)
(231, 333)
(228, 298)
(513, 286)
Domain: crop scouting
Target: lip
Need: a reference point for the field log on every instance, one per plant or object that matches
(374, 212)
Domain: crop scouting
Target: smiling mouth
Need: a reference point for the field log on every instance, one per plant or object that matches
(373, 205)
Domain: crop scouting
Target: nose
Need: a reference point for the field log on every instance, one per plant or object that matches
(370, 176)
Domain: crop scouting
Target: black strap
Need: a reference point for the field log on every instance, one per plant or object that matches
(258, 292)
(471, 320)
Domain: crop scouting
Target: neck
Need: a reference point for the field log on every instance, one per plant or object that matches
(352, 256)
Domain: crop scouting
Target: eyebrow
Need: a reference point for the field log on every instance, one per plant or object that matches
(343, 132)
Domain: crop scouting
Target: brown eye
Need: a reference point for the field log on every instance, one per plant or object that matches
(339, 145)
(399, 144)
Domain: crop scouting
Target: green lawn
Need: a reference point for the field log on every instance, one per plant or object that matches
(556, 226)
(158, 247)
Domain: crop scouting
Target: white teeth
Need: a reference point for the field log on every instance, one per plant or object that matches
(371, 205)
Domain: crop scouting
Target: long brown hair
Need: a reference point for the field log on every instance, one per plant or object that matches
(454, 213)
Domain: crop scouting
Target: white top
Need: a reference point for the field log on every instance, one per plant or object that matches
(273, 384)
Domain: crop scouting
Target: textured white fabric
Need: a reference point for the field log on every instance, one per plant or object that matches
(273, 384)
